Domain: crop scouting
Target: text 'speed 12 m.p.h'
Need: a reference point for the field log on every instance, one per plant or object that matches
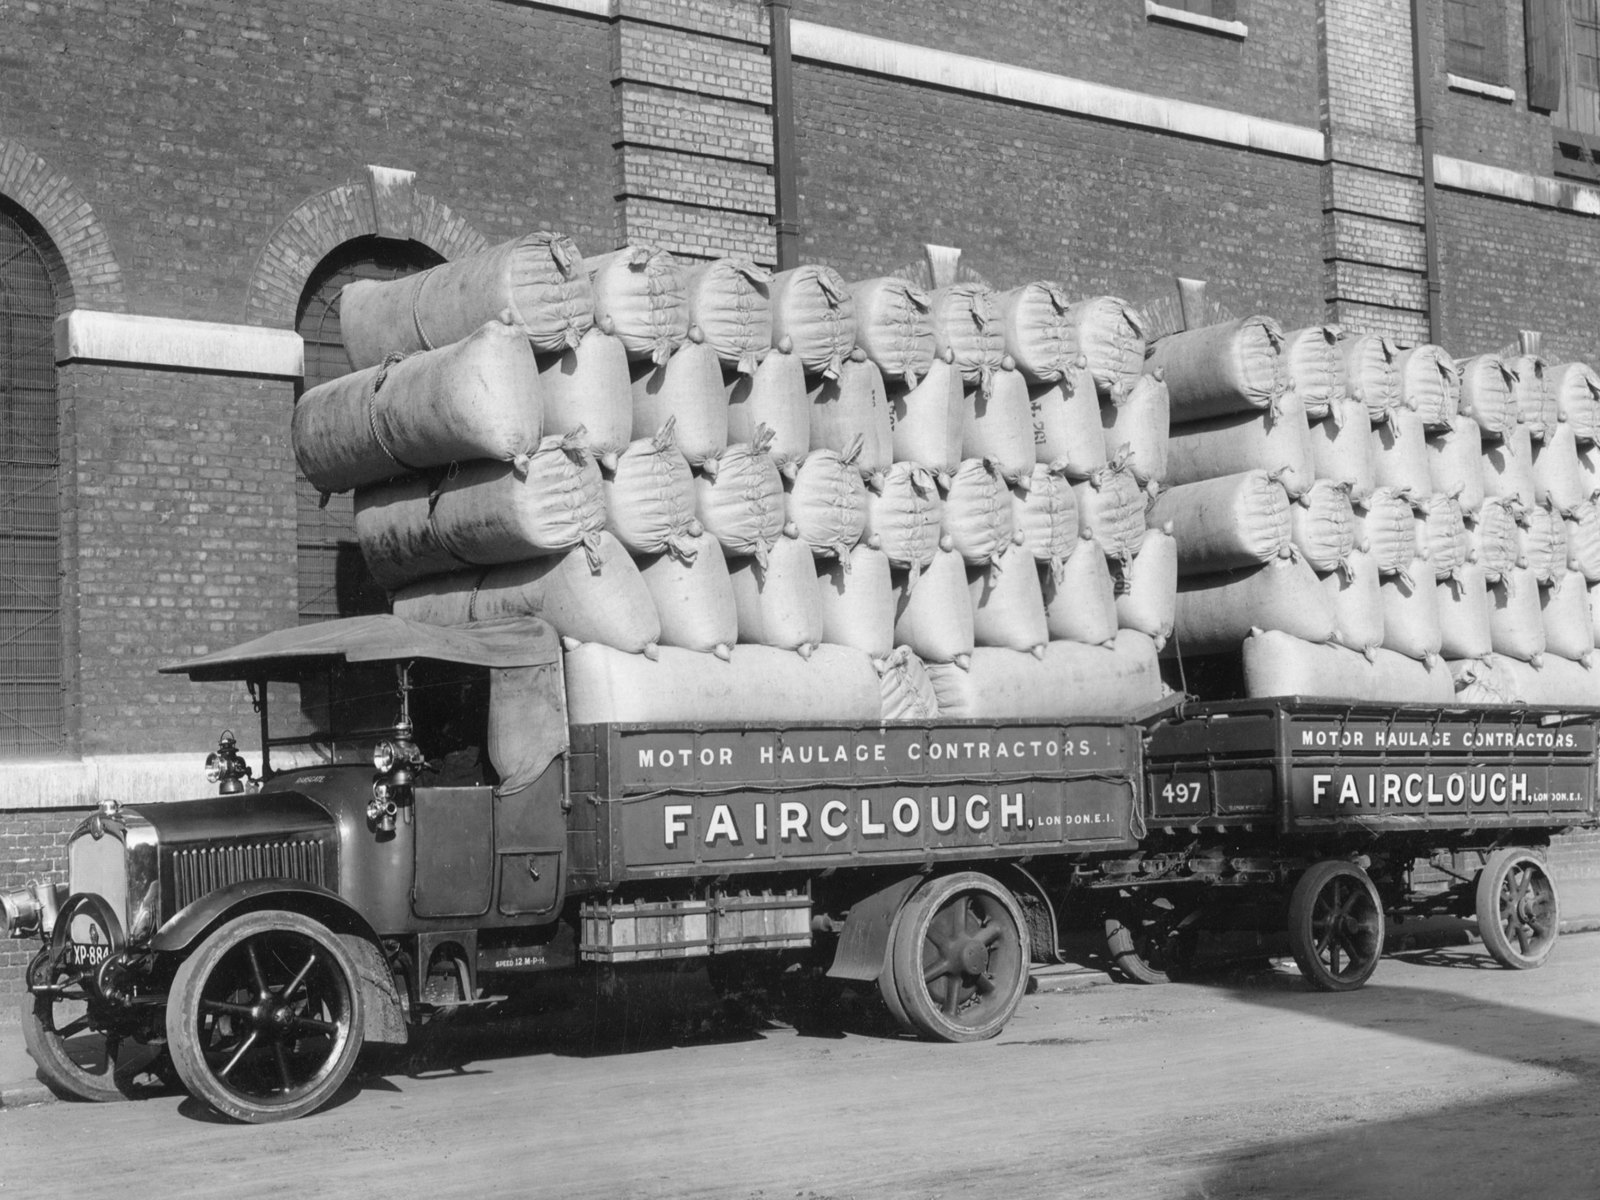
(428, 828)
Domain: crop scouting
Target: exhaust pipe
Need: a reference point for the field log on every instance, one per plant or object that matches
(32, 909)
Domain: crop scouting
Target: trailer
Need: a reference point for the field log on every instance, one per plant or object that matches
(1330, 821)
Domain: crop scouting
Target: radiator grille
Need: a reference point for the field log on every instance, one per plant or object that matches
(203, 869)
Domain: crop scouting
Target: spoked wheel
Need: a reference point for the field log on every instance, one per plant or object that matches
(1146, 938)
(80, 1051)
(960, 958)
(1336, 926)
(264, 1020)
(1519, 913)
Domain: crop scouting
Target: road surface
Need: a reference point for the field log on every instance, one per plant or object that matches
(1445, 1077)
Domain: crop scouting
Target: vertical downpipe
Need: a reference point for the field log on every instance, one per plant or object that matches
(785, 184)
(1422, 76)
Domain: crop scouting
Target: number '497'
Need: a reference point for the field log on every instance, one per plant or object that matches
(1181, 793)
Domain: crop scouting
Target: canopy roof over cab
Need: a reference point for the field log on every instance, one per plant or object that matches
(517, 642)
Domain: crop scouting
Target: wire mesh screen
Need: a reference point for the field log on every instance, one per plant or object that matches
(333, 577)
(31, 692)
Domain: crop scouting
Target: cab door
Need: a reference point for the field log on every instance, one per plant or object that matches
(530, 829)
(454, 851)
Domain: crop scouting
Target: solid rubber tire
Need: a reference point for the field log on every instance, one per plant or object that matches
(1302, 935)
(1491, 924)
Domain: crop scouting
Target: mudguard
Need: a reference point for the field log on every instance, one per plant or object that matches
(864, 940)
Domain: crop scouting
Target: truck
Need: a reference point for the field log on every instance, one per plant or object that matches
(428, 829)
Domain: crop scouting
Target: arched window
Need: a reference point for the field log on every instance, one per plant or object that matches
(334, 581)
(32, 705)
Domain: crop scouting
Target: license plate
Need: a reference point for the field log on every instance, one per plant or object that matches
(85, 954)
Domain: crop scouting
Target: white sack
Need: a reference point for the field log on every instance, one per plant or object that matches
(730, 310)
(813, 317)
(998, 424)
(1068, 424)
(693, 596)
(1080, 603)
(688, 389)
(852, 409)
(929, 421)
(779, 604)
(1039, 336)
(1215, 613)
(1276, 440)
(1069, 681)
(1135, 430)
(1111, 337)
(1236, 521)
(775, 396)
(1343, 448)
(641, 300)
(894, 328)
(1276, 664)
(858, 601)
(1455, 463)
(586, 389)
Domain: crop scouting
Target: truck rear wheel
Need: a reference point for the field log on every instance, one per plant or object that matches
(960, 958)
(264, 1020)
(1519, 913)
(1336, 926)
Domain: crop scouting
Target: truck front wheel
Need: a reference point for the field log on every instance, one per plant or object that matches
(264, 1019)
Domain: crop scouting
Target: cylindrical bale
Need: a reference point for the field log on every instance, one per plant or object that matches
(1008, 603)
(1313, 358)
(813, 317)
(905, 517)
(1544, 544)
(1589, 467)
(1594, 611)
(1068, 424)
(1218, 370)
(730, 310)
(1323, 525)
(757, 684)
(1495, 538)
(1111, 337)
(686, 388)
(1516, 620)
(1464, 623)
(650, 498)
(858, 601)
(1455, 463)
(1554, 683)
(1080, 602)
(693, 594)
(1111, 510)
(1568, 628)
(1044, 516)
(779, 604)
(739, 497)
(1583, 540)
(1486, 394)
(1147, 588)
(929, 421)
(1135, 430)
(481, 515)
(1276, 440)
(1215, 613)
(894, 328)
(1576, 389)
(1040, 338)
(1342, 448)
(1400, 457)
(1070, 680)
(826, 503)
(1236, 521)
(853, 409)
(1386, 527)
(775, 396)
(998, 425)
(905, 689)
(977, 513)
(967, 331)
(1370, 374)
(1277, 664)
(587, 387)
(640, 299)
(539, 279)
(1411, 611)
(1442, 535)
(475, 398)
(587, 595)
(933, 611)
(1429, 385)
(1533, 396)
(1558, 477)
(1356, 596)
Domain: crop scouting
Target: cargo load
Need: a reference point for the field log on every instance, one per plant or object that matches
(1111, 510)
(1342, 448)
(775, 396)
(1147, 588)
(1516, 619)
(1007, 603)
(1583, 540)
(1430, 386)
(1111, 336)
(538, 281)
(1442, 536)
(779, 603)
(852, 409)
(1544, 544)
(730, 310)
(1370, 374)
(1557, 682)
(1313, 359)
(1534, 398)
(813, 317)
(476, 398)
(1464, 623)
(1215, 613)
(977, 513)
(1486, 397)
(930, 420)
(1400, 458)
(1136, 428)
(857, 598)
(586, 389)
(968, 333)
(687, 389)
(1568, 626)
(1220, 524)
(894, 328)
(1323, 525)
(998, 425)
(693, 596)
(906, 692)
(739, 497)
(1044, 516)
(934, 616)
(1576, 389)
(1039, 336)
(1386, 527)
(1278, 664)
(1080, 600)
(1455, 463)
(1355, 593)
(1068, 680)
(826, 502)
(640, 298)
(1558, 476)
(650, 497)
(1496, 541)
(1276, 440)
(1068, 422)
(1218, 370)
(905, 517)
(1411, 611)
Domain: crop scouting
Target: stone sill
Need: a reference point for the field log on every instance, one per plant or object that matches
(1476, 87)
(1177, 16)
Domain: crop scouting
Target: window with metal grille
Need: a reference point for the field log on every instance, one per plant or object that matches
(334, 581)
(32, 710)
(1475, 39)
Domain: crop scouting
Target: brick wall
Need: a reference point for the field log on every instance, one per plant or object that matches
(33, 846)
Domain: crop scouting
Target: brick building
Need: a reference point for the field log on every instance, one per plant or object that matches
(184, 186)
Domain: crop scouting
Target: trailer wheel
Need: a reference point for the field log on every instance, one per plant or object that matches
(1336, 926)
(960, 958)
(1144, 938)
(264, 1019)
(1519, 913)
